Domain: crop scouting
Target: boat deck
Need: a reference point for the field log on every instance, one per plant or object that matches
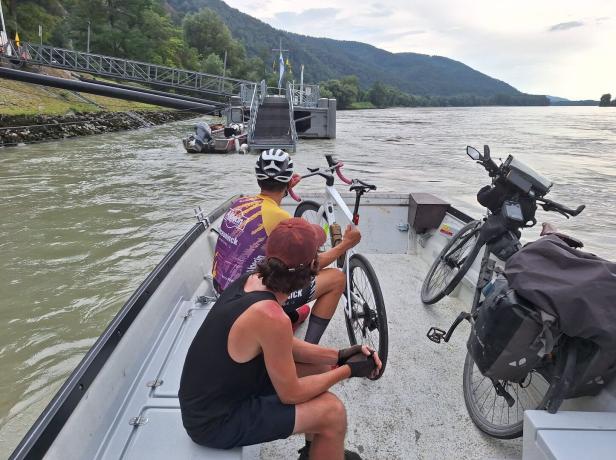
(416, 410)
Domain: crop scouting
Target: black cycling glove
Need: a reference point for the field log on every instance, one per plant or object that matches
(346, 353)
(361, 365)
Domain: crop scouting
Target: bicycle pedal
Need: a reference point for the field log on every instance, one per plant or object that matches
(435, 334)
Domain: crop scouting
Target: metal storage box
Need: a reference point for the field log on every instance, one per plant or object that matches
(426, 211)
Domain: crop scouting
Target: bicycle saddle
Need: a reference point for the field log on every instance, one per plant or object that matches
(361, 185)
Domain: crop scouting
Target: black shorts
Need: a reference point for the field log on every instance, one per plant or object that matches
(301, 296)
(256, 420)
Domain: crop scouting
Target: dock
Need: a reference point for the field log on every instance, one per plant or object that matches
(275, 117)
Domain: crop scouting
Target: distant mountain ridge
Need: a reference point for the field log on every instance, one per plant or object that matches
(326, 58)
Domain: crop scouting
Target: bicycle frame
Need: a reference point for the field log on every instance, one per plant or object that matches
(333, 197)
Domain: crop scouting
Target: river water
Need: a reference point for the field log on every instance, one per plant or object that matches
(83, 221)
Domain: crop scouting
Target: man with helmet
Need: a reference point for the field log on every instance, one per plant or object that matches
(244, 231)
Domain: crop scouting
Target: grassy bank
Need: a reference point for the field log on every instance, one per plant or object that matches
(17, 98)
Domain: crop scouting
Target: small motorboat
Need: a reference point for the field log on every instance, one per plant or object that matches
(215, 138)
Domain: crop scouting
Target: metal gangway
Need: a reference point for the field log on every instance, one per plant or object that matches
(272, 119)
(126, 69)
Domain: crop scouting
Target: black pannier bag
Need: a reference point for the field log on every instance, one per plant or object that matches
(509, 337)
(579, 289)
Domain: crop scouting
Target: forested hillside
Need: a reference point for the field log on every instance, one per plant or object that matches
(195, 34)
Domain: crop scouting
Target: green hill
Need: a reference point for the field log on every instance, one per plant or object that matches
(327, 59)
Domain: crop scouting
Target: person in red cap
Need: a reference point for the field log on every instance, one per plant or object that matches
(247, 380)
(244, 231)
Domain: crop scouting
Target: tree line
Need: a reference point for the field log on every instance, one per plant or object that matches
(606, 101)
(154, 31)
(143, 30)
(350, 95)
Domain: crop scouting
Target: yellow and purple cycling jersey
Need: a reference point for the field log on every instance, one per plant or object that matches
(243, 233)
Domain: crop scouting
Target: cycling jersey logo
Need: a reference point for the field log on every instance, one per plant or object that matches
(233, 220)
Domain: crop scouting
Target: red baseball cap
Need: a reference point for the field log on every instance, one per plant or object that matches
(295, 242)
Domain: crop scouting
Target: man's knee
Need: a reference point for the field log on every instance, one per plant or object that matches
(335, 279)
(335, 414)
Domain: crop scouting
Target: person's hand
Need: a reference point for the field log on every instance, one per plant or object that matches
(352, 236)
(547, 229)
(345, 353)
(365, 364)
(295, 178)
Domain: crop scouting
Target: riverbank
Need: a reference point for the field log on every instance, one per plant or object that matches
(33, 113)
(27, 129)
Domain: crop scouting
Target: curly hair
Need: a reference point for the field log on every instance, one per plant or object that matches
(277, 277)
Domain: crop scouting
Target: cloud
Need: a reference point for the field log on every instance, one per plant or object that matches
(566, 25)
(306, 16)
(380, 11)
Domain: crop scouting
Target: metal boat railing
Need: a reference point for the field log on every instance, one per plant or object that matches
(255, 102)
(291, 113)
(126, 69)
(305, 95)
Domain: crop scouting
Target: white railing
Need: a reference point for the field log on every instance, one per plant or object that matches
(305, 95)
(291, 113)
(126, 69)
(258, 95)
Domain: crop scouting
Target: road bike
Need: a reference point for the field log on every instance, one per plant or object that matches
(364, 308)
(497, 406)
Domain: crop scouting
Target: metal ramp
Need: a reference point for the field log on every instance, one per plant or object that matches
(272, 121)
(126, 69)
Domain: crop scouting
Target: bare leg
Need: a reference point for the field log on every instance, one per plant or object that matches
(330, 284)
(325, 418)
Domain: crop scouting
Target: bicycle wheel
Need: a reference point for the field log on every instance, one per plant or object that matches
(490, 411)
(368, 322)
(451, 264)
(309, 210)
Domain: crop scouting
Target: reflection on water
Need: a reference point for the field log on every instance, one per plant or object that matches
(83, 221)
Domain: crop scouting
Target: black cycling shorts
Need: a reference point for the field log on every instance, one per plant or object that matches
(256, 420)
(302, 296)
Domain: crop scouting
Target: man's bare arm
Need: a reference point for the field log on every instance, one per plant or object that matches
(276, 340)
(352, 236)
(304, 352)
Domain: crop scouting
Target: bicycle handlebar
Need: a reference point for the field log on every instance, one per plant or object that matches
(339, 166)
(333, 166)
(293, 195)
(549, 205)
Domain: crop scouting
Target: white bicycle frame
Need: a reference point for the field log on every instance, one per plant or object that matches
(332, 196)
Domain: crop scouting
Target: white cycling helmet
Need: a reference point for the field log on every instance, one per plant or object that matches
(274, 164)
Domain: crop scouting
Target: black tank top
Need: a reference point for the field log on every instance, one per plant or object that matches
(212, 383)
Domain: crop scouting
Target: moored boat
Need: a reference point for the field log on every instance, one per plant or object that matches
(215, 138)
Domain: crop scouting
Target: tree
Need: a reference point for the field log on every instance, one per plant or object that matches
(213, 65)
(605, 100)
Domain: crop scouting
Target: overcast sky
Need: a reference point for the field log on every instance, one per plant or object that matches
(561, 48)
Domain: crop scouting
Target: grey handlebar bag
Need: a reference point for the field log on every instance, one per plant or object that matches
(578, 289)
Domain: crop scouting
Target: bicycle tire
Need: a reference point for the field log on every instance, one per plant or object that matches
(449, 255)
(308, 210)
(364, 322)
(517, 390)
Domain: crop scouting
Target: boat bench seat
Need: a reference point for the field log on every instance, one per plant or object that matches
(163, 437)
(151, 426)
